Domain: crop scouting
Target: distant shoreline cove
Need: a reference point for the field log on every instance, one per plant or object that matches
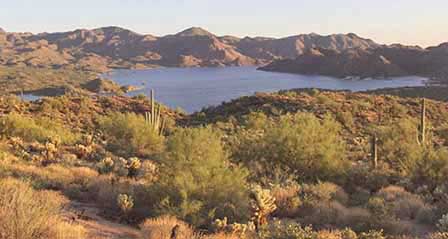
(195, 88)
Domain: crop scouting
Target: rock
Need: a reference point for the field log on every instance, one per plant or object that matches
(100, 85)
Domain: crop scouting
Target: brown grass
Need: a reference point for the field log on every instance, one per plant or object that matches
(29, 214)
(161, 228)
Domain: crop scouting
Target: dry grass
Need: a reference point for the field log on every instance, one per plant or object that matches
(65, 230)
(29, 214)
(287, 200)
(161, 228)
(53, 176)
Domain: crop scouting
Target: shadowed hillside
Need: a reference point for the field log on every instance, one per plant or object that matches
(380, 62)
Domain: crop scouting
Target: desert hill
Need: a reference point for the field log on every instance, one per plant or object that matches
(385, 61)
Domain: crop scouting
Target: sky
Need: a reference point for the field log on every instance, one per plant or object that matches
(410, 22)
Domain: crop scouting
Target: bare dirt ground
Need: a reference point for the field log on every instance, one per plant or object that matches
(97, 226)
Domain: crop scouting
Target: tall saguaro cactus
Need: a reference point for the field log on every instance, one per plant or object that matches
(374, 152)
(154, 118)
(422, 127)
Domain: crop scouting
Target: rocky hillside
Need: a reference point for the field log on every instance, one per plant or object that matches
(385, 61)
(290, 47)
(113, 47)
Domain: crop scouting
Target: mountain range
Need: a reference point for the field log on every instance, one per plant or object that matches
(339, 55)
(113, 47)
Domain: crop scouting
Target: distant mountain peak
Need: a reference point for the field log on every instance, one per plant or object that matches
(353, 35)
(114, 29)
(194, 31)
(2, 31)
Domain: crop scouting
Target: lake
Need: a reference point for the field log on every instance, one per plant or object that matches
(194, 88)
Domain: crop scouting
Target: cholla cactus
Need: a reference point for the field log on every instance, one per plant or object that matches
(17, 143)
(438, 235)
(50, 150)
(221, 225)
(263, 204)
(106, 165)
(88, 139)
(133, 165)
(125, 203)
(154, 118)
(83, 151)
(443, 224)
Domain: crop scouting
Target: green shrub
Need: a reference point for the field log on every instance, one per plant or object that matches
(40, 129)
(197, 182)
(286, 230)
(128, 134)
(432, 169)
(399, 147)
(301, 143)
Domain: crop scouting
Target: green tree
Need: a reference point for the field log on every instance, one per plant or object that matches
(399, 147)
(301, 142)
(128, 134)
(198, 184)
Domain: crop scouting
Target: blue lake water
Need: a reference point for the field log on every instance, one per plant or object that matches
(194, 88)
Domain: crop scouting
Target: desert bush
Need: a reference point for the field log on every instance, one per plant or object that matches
(29, 214)
(369, 179)
(335, 215)
(426, 214)
(431, 171)
(313, 194)
(403, 205)
(128, 134)
(286, 230)
(162, 227)
(399, 147)
(442, 225)
(40, 129)
(287, 200)
(197, 183)
(300, 142)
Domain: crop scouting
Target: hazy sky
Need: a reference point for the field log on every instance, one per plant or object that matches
(422, 22)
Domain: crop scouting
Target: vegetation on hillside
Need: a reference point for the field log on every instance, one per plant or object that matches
(294, 164)
(17, 79)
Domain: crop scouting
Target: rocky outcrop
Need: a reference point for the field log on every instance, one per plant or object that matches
(103, 86)
(269, 49)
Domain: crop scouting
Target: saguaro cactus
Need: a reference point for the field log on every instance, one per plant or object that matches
(154, 118)
(374, 152)
(422, 127)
